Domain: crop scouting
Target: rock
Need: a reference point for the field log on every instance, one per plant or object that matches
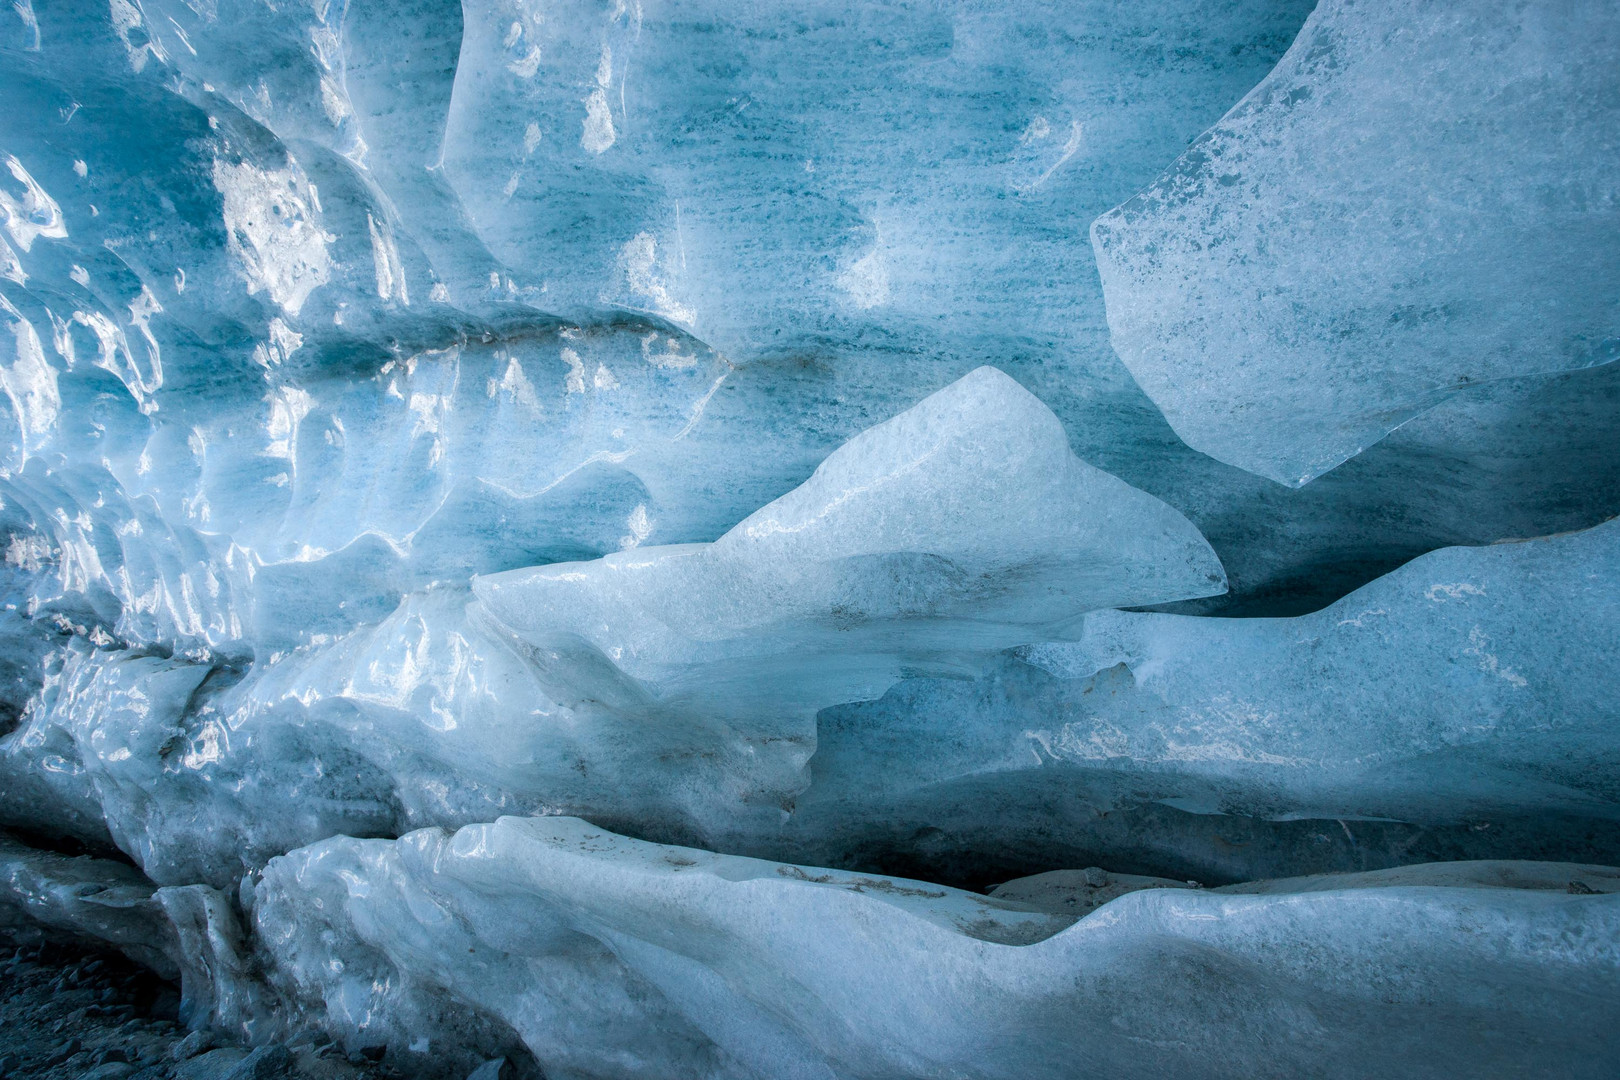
(112, 1070)
(263, 1063)
(195, 1042)
(210, 1065)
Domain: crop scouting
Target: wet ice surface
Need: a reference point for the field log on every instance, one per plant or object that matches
(684, 449)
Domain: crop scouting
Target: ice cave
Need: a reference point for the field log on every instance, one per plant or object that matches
(809, 540)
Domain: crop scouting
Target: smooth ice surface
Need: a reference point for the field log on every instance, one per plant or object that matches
(1417, 199)
(1079, 892)
(749, 968)
(451, 948)
(1459, 707)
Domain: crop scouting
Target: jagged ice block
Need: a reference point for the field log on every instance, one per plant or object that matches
(1416, 200)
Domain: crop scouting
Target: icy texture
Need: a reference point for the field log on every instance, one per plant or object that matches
(286, 392)
(657, 960)
(788, 177)
(672, 690)
(1417, 199)
(1079, 892)
(44, 895)
(959, 528)
(749, 968)
(389, 393)
(1460, 707)
(227, 440)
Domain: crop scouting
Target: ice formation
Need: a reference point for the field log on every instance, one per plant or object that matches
(614, 957)
(604, 536)
(1458, 708)
(1417, 199)
(669, 690)
(959, 528)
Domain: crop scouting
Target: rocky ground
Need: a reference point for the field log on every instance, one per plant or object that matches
(73, 1014)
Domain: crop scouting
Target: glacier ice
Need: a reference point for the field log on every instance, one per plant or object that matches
(209, 470)
(1415, 200)
(963, 526)
(652, 958)
(669, 690)
(1457, 708)
(603, 536)
(44, 894)
(751, 968)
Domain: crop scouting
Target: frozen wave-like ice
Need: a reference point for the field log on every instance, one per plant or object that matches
(589, 534)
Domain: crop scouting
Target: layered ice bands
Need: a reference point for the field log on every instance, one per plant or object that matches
(1417, 199)
(1460, 707)
(633, 538)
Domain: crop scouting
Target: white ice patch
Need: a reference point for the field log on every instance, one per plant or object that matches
(640, 260)
(640, 526)
(866, 281)
(113, 352)
(575, 382)
(128, 22)
(598, 133)
(31, 214)
(1038, 130)
(272, 225)
(30, 22)
(29, 383)
(282, 342)
(385, 258)
(669, 357)
(516, 386)
(11, 267)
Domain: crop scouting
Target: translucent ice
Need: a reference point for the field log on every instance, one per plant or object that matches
(1417, 199)
(672, 690)
(425, 415)
(961, 527)
(230, 438)
(660, 960)
(1459, 707)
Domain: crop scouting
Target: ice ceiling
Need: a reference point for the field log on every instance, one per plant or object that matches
(594, 532)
